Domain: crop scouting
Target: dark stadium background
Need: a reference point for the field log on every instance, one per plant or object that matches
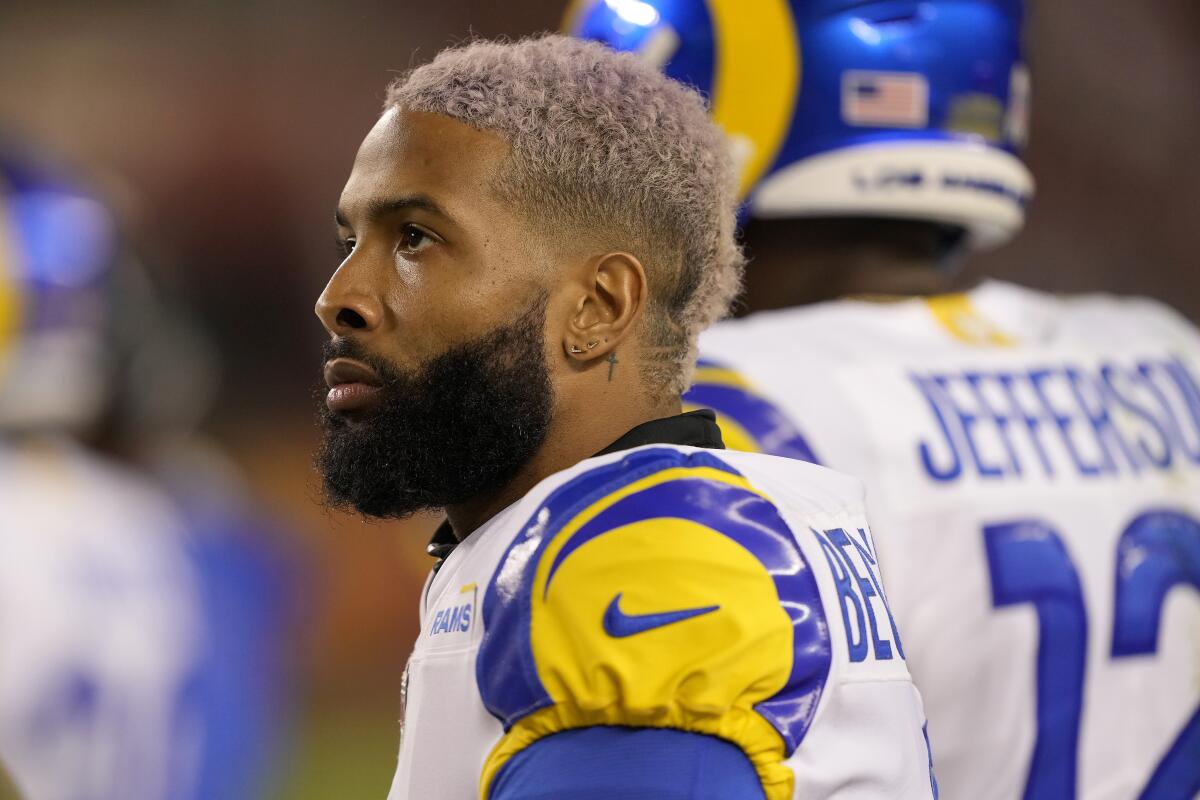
(224, 131)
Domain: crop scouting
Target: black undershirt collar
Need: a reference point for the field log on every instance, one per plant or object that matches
(691, 429)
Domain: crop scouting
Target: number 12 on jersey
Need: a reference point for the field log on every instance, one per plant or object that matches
(1029, 564)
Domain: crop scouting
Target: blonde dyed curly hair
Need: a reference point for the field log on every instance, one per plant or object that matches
(607, 148)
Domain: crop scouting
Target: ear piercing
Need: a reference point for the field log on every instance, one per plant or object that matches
(590, 345)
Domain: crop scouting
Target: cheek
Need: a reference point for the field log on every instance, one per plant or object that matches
(434, 311)
(438, 301)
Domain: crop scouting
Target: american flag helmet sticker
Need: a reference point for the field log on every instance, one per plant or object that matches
(885, 99)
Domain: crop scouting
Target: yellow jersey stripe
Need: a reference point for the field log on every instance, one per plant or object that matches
(958, 317)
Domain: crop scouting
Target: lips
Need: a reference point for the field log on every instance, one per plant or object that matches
(353, 386)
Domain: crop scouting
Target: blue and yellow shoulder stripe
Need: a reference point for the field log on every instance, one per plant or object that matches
(749, 421)
(659, 590)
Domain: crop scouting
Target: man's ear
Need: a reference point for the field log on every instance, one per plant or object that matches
(615, 292)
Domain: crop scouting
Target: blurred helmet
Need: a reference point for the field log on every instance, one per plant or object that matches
(57, 250)
(914, 109)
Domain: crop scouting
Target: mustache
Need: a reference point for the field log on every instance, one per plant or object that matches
(346, 347)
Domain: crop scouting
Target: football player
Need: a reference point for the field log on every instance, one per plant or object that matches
(1032, 462)
(130, 642)
(100, 606)
(534, 235)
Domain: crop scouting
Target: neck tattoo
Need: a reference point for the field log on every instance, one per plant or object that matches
(612, 362)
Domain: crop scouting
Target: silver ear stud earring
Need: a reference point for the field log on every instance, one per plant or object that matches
(576, 349)
(590, 345)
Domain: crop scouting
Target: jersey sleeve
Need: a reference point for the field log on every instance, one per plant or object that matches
(659, 591)
(600, 763)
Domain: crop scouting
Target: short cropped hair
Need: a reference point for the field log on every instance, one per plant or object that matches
(604, 146)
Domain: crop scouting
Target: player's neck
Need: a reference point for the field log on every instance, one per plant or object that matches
(582, 426)
(819, 260)
(780, 282)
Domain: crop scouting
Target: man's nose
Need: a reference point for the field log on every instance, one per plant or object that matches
(345, 307)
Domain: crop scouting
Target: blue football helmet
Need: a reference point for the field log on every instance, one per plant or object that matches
(915, 109)
(57, 251)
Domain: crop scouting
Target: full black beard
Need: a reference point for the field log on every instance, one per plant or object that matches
(460, 426)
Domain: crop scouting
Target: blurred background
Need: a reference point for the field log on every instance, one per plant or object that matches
(223, 132)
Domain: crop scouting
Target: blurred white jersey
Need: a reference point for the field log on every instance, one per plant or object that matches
(1032, 466)
(98, 631)
(727, 594)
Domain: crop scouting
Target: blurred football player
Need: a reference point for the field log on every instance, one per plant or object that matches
(535, 233)
(115, 648)
(164, 378)
(1032, 462)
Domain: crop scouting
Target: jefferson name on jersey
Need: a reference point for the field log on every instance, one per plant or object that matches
(1103, 418)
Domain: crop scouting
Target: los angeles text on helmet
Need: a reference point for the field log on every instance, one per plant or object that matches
(1062, 420)
(897, 178)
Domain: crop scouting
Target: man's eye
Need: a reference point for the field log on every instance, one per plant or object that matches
(413, 238)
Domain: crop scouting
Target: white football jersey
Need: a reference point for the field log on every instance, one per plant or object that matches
(728, 594)
(1032, 466)
(98, 631)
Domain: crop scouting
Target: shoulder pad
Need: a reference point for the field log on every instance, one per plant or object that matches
(660, 590)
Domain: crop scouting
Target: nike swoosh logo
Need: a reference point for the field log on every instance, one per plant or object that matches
(618, 624)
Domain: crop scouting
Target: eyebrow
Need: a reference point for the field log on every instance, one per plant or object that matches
(378, 209)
